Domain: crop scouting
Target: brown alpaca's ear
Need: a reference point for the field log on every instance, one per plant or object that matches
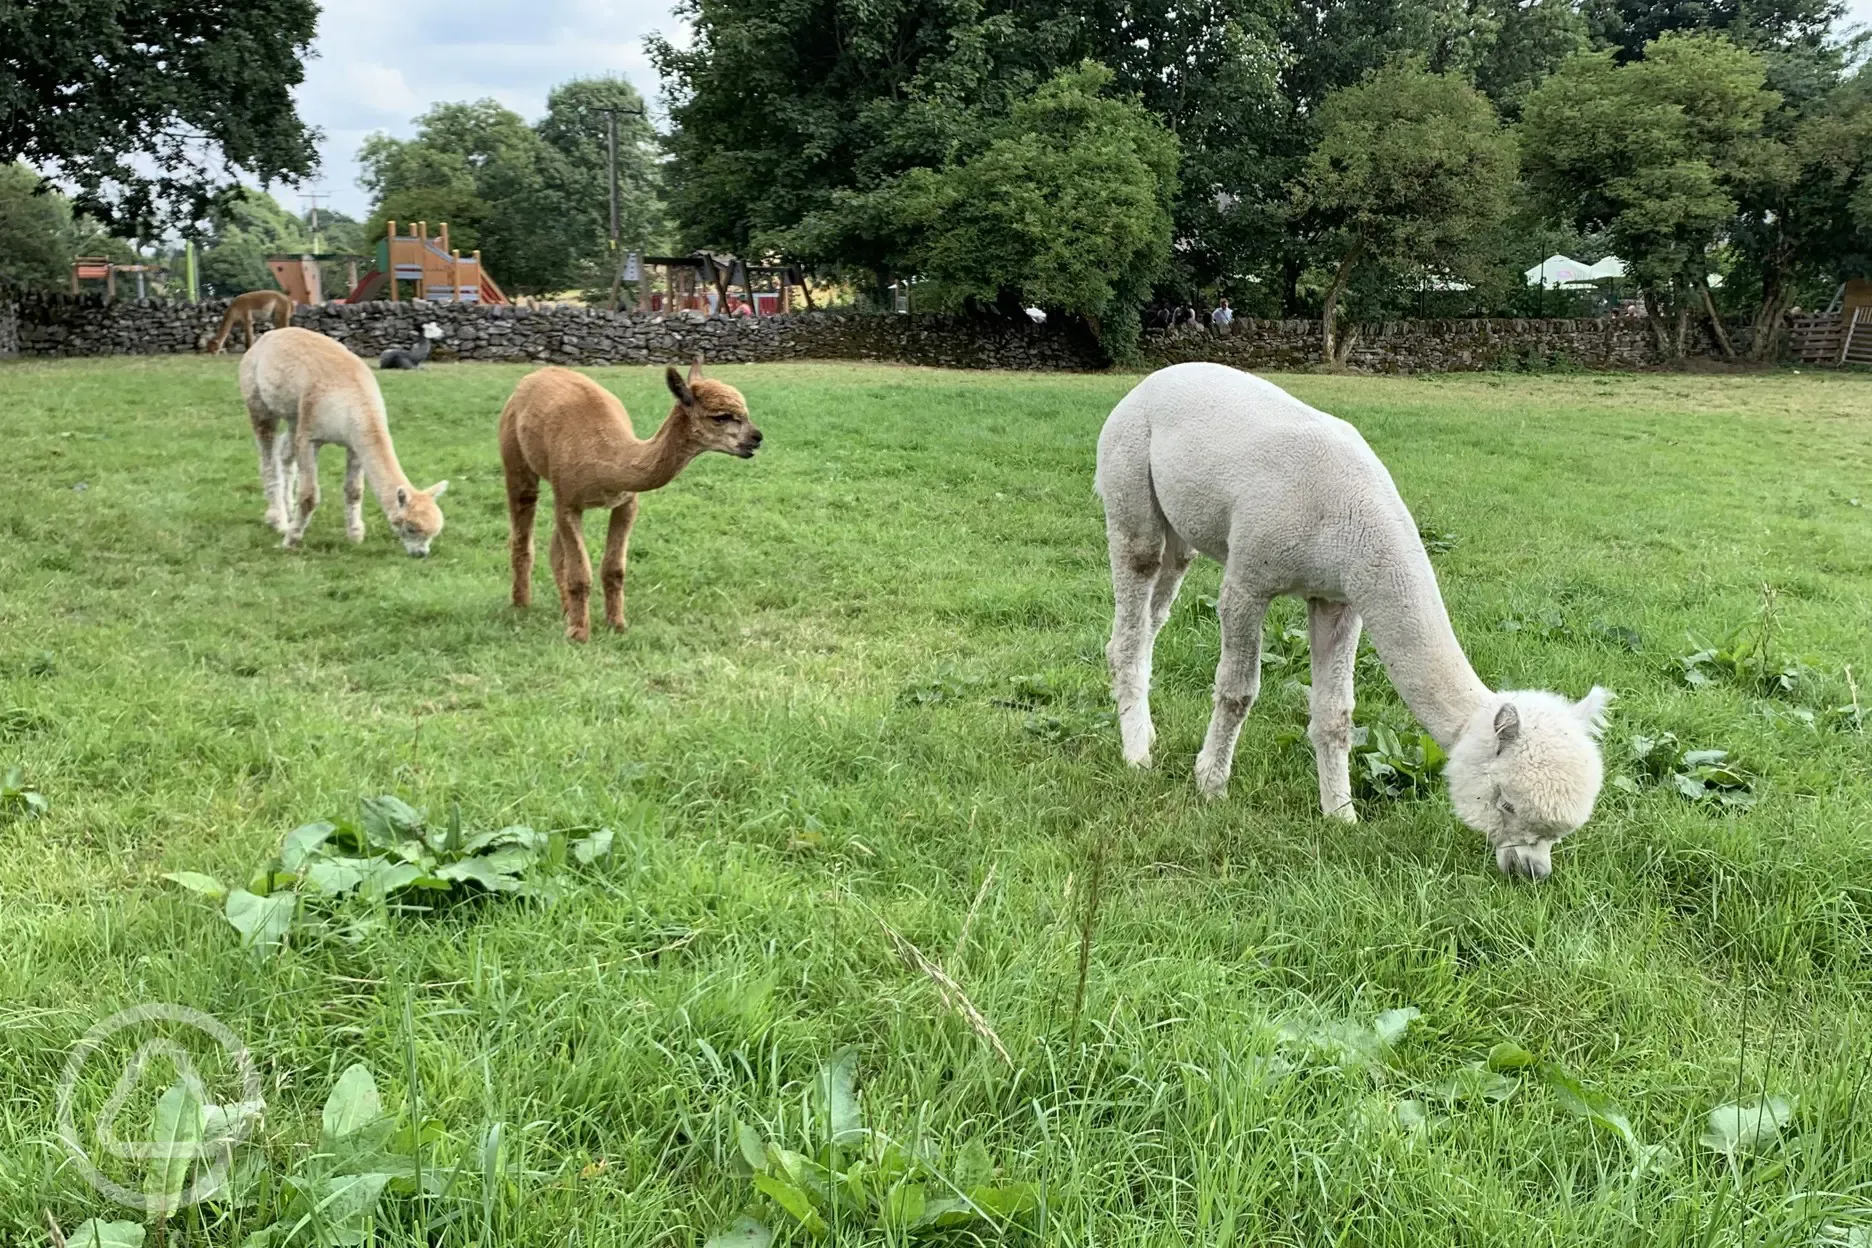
(679, 387)
(695, 369)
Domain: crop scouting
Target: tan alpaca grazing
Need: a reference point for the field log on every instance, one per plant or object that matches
(565, 427)
(261, 303)
(305, 391)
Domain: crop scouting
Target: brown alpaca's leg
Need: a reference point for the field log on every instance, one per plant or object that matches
(572, 568)
(611, 568)
(522, 504)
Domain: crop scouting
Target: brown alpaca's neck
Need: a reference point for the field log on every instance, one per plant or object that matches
(652, 463)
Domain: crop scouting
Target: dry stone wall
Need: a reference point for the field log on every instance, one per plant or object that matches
(63, 325)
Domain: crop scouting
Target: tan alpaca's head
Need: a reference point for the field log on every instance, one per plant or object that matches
(1526, 772)
(417, 519)
(716, 412)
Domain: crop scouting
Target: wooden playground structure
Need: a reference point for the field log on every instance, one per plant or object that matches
(301, 277)
(431, 268)
(701, 283)
(1840, 335)
(100, 268)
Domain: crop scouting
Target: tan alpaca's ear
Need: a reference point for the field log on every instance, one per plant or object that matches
(1507, 726)
(438, 489)
(1592, 708)
(679, 387)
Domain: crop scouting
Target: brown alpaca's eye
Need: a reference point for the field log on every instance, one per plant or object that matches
(722, 418)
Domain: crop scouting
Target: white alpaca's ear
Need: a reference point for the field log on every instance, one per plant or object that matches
(402, 497)
(695, 369)
(1507, 726)
(1592, 708)
(438, 489)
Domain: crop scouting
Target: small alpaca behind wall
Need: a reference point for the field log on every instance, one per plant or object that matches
(305, 391)
(261, 303)
(1204, 458)
(564, 427)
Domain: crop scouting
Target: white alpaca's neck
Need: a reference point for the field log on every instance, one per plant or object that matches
(1410, 628)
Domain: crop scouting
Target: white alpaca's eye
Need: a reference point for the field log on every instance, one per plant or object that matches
(1507, 808)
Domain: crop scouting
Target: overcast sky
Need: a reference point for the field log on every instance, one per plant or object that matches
(377, 72)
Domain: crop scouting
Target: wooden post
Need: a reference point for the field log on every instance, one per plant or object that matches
(74, 277)
(445, 245)
(643, 284)
(390, 235)
(350, 276)
(110, 281)
(454, 272)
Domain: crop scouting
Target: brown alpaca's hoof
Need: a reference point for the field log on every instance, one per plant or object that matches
(578, 632)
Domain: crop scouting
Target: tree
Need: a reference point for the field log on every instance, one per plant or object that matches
(1804, 219)
(1630, 26)
(40, 234)
(242, 233)
(1651, 152)
(150, 107)
(1067, 207)
(573, 217)
(1411, 169)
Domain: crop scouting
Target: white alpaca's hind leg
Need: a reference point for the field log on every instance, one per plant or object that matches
(1332, 636)
(1177, 555)
(1135, 561)
(305, 482)
(266, 431)
(1238, 682)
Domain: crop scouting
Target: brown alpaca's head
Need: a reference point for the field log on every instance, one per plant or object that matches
(716, 413)
(417, 519)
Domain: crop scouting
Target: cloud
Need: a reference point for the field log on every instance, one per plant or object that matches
(375, 68)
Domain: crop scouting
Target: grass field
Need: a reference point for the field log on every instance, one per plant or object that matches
(864, 686)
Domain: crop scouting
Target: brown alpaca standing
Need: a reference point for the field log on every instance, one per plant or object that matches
(565, 427)
(263, 303)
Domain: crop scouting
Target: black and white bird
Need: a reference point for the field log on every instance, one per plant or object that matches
(397, 357)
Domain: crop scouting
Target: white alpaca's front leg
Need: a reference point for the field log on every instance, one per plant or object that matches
(1133, 570)
(1332, 637)
(1238, 682)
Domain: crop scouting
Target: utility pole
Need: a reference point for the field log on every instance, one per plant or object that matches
(611, 136)
(312, 216)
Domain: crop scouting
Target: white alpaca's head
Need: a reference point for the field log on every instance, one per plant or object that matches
(1526, 771)
(432, 331)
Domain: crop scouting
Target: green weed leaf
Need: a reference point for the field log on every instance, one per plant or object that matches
(204, 885)
(303, 842)
(838, 1099)
(262, 921)
(389, 823)
(175, 1144)
(97, 1233)
(745, 1233)
(589, 849)
(791, 1198)
(353, 1103)
(1737, 1129)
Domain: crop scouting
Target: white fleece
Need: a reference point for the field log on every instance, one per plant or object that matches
(1206, 458)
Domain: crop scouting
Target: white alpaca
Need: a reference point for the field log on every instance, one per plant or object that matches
(1201, 457)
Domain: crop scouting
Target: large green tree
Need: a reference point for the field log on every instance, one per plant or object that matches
(241, 234)
(152, 109)
(40, 234)
(573, 217)
(1652, 152)
(1412, 172)
(1067, 206)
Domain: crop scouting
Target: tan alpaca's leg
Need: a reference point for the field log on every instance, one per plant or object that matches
(354, 495)
(611, 567)
(1332, 636)
(522, 504)
(267, 434)
(305, 466)
(1238, 682)
(572, 569)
